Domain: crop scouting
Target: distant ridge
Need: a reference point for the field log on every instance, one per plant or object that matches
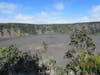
(23, 29)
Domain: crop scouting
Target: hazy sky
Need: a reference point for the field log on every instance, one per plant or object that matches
(49, 11)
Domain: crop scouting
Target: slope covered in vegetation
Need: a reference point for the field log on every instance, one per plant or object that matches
(20, 29)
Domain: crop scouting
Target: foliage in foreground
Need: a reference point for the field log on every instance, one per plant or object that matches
(85, 65)
(60, 70)
(84, 61)
(14, 61)
(80, 43)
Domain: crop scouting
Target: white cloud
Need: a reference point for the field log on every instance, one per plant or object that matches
(44, 14)
(37, 19)
(53, 17)
(94, 15)
(41, 17)
(82, 19)
(59, 6)
(95, 12)
(20, 17)
(96, 9)
(7, 8)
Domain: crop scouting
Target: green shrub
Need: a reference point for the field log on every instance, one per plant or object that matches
(60, 70)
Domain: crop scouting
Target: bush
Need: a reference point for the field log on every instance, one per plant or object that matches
(13, 61)
(8, 57)
(82, 51)
(60, 70)
(85, 65)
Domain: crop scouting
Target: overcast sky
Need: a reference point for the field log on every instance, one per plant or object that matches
(49, 11)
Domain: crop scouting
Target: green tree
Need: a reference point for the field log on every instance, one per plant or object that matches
(80, 42)
(8, 57)
(13, 61)
(80, 46)
(45, 46)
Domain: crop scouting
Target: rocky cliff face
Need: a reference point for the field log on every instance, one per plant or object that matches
(19, 29)
(6, 34)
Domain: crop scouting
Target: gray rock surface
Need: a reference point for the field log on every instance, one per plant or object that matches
(57, 44)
